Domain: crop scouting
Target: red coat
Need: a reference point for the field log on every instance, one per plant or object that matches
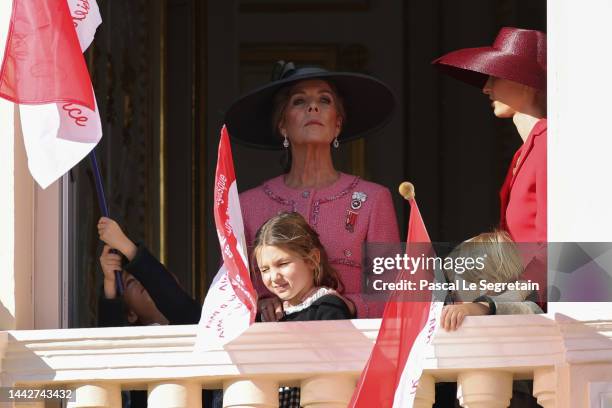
(523, 195)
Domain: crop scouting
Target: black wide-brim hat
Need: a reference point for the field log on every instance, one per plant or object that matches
(368, 104)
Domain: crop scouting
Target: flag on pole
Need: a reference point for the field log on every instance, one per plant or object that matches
(86, 19)
(43, 70)
(43, 61)
(391, 375)
(231, 303)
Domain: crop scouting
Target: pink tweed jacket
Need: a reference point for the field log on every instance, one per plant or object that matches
(346, 214)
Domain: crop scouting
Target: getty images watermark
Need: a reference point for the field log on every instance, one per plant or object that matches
(467, 270)
(455, 265)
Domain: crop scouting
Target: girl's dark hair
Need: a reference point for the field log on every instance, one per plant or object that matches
(290, 231)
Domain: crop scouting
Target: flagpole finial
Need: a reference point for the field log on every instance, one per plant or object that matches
(406, 189)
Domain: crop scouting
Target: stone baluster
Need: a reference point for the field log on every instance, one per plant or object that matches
(101, 395)
(34, 404)
(426, 392)
(484, 389)
(175, 394)
(545, 386)
(329, 391)
(250, 393)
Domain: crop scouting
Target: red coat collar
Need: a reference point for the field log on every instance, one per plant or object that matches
(515, 166)
(520, 155)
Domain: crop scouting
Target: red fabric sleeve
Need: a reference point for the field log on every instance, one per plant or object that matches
(541, 192)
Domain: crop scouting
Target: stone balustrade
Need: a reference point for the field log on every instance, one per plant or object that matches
(568, 361)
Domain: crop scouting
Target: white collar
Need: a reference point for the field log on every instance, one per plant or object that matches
(322, 291)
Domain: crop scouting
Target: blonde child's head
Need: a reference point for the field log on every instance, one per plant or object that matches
(500, 258)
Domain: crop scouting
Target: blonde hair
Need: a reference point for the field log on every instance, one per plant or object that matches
(501, 258)
(289, 230)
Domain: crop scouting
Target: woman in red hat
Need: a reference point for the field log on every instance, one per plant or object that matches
(512, 73)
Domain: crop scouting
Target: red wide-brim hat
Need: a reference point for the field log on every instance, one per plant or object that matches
(517, 55)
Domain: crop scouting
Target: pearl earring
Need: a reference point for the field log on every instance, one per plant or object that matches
(286, 142)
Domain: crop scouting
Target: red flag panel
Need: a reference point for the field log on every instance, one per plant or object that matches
(237, 269)
(401, 324)
(43, 62)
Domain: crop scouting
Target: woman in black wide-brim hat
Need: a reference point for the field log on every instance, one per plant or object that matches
(309, 111)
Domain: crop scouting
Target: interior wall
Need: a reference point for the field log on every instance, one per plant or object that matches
(23, 227)
(47, 296)
(7, 212)
(179, 126)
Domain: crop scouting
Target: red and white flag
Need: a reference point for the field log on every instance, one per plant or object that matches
(231, 303)
(43, 70)
(392, 373)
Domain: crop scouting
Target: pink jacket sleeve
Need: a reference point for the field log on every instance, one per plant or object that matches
(383, 221)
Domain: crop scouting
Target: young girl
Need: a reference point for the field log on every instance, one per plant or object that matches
(294, 266)
(502, 264)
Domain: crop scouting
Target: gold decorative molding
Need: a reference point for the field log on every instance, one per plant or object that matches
(313, 6)
(201, 196)
(162, 134)
(110, 86)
